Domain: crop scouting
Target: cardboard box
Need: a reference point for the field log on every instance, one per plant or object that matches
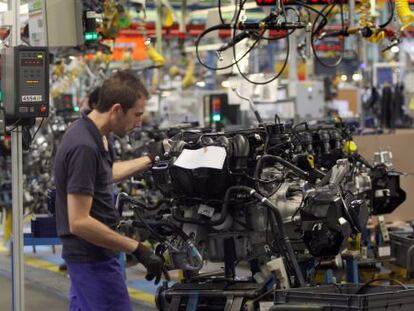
(401, 144)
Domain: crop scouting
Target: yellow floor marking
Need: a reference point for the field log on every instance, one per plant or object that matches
(141, 295)
(45, 265)
(3, 249)
(41, 264)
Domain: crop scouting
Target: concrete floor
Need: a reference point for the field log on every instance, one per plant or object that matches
(45, 288)
(36, 298)
(40, 296)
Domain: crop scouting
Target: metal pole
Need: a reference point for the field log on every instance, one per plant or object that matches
(351, 15)
(17, 238)
(158, 27)
(352, 23)
(17, 187)
(293, 71)
(183, 22)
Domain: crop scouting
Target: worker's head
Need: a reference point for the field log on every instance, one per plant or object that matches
(123, 97)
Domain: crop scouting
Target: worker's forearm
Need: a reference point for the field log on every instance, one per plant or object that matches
(125, 169)
(99, 234)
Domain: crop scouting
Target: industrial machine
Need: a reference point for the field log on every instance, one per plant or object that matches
(275, 197)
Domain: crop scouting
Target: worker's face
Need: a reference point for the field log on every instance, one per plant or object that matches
(127, 121)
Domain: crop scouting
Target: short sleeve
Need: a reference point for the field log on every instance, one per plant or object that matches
(81, 170)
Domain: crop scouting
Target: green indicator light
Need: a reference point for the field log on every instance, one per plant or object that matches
(216, 117)
(91, 36)
(76, 108)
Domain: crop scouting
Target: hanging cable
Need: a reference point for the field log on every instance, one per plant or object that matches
(283, 66)
(220, 13)
(391, 8)
(38, 128)
(319, 28)
(211, 29)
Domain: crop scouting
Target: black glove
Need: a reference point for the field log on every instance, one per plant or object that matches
(151, 262)
(155, 149)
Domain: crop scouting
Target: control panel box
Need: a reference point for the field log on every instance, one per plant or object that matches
(25, 82)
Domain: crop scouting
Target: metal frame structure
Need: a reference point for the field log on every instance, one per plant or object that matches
(17, 185)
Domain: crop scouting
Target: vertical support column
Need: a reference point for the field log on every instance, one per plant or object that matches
(183, 21)
(17, 187)
(351, 13)
(351, 17)
(14, 7)
(158, 27)
(293, 70)
(293, 62)
(17, 237)
(364, 60)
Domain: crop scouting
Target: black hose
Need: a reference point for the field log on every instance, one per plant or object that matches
(211, 29)
(297, 170)
(364, 286)
(361, 159)
(146, 206)
(174, 228)
(289, 253)
(258, 169)
(390, 18)
(279, 220)
(318, 28)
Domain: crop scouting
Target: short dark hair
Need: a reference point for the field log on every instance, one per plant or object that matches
(94, 97)
(122, 87)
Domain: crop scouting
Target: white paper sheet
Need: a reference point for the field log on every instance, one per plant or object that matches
(210, 157)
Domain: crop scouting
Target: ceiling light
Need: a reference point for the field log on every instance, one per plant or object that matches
(225, 83)
(395, 49)
(357, 77)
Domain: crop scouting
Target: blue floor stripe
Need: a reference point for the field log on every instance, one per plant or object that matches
(143, 285)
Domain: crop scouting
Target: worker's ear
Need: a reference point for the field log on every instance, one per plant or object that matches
(116, 108)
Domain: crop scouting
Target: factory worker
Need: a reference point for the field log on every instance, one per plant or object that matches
(86, 218)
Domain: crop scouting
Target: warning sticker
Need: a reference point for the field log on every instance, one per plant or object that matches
(31, 98)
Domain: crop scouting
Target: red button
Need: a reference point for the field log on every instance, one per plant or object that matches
(43, 109)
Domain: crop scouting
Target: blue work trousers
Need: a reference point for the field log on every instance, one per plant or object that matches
(98, 286)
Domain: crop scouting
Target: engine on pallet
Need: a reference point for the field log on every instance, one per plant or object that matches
(258, 195)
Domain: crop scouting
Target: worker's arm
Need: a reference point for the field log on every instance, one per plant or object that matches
(124, 169)
(90, 229)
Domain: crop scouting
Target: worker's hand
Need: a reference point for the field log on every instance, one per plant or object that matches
(155, 149)
(153, 263)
